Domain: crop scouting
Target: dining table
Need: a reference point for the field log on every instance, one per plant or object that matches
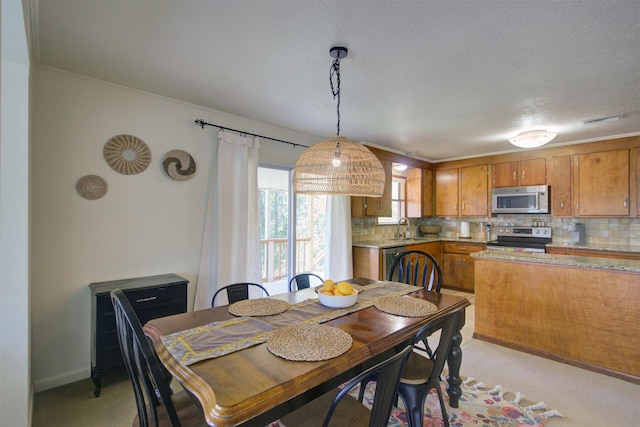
(239, 381)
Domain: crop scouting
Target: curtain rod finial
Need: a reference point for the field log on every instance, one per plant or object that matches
(200, 123)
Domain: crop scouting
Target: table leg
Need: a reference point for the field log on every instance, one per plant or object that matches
(454, 361)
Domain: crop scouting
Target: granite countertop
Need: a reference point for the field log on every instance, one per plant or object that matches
(383, 244)
(562, 260)
(596, 247)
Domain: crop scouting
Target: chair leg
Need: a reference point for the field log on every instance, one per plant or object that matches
(445, 416)
(413, 399)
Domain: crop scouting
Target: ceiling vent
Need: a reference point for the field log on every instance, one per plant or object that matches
(601, 120)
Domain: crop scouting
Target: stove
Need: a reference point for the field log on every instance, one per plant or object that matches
(521, 239)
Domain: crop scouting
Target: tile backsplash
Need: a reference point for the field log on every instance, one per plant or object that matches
(599, 231)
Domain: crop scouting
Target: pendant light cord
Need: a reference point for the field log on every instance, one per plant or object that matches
(335, 72)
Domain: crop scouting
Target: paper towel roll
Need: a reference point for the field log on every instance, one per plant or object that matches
(464, 229)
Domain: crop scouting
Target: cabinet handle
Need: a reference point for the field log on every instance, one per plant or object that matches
(463, 205)
(625, 202)
(523, 174)
(515, 177)
(146, 299)
(561, 204)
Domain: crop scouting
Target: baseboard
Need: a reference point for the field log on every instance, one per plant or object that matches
(59, 380)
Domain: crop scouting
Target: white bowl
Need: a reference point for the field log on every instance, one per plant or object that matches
(338, 301)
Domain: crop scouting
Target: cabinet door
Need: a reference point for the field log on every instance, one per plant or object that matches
(561, 186)
(533, 172)
(451, 270)
(603, 183)
(474, 200)
(414, 193)
(374, 206)
(428, 205)
(366, 263)
(467, 272)
(505, 174)
(434, 249)
(447, 192)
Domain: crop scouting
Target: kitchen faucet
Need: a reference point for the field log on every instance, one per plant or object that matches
(406, 222)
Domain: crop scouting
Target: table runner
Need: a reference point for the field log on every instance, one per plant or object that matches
(219, 338)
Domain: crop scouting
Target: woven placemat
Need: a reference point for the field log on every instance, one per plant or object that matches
(309, 342)
(258, 307)
(405, 306)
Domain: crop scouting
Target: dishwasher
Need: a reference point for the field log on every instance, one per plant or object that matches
(389, 255)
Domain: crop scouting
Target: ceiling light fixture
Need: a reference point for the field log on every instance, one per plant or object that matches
(532, 138)
(338, 165)
(399, 167)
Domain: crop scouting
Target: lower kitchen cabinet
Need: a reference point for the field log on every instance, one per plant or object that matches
(432, 248)
(458, 265)
(151, 297)
(366, 263)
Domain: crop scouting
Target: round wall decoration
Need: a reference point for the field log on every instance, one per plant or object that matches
(127, 154)
(179, 165)
(91, 187)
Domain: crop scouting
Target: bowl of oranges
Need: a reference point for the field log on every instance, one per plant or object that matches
(337, 295)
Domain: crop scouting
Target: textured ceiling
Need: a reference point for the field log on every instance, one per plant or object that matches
(443, 79)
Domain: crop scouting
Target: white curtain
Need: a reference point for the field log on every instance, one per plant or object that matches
(231, 241)
(338, 263)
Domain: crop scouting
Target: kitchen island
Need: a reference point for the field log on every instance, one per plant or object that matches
(583, 311)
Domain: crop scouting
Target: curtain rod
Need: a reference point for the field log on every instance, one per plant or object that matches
(202, 124)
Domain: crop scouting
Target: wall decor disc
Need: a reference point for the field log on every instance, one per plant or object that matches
(127, 154)
(179, 165)
(91, 187)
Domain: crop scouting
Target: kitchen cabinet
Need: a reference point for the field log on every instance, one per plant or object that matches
(602, 183)
(432, 248)
(462, 192)
(375, 206)
(419, 189)
(367, 263)
(447, 192)
(151, 297)
(561, 186)
(458, 265)
(520, 173)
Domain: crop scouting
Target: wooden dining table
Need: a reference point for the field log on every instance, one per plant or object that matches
(253, 387)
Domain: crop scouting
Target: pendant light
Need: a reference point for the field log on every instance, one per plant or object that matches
(532, 138)
(338, 165)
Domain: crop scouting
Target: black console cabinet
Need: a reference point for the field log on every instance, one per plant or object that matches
(151, 297)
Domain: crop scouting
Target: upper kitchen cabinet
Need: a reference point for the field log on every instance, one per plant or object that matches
(419, 190)
(561, 186)
(375, 206)
(474, 191)
(520, 173)
(447, 192)
(602, 183)
(462, 192)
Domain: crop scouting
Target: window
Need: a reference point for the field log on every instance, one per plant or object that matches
(398, 201)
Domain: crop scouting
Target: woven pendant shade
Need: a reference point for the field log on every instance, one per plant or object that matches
(360, 173)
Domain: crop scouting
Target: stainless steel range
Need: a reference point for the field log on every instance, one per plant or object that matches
(521, 239)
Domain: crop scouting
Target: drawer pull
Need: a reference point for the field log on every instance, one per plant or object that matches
(146, 299)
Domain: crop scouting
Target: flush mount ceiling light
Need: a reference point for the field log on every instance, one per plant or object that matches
(399, 167)
(338, 165)
(532, 138)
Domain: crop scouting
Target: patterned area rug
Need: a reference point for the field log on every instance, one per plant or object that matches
(478, 406)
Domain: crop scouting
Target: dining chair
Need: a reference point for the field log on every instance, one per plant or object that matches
(237, 292)
(417, 268)
(151, 385)
(343, 410)
(422, 374)
(303, 281)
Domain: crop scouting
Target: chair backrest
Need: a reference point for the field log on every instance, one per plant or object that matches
(448, 325)
(388, 375)
(417, 268)
(148, 381)
(237, 292)
(303, 281)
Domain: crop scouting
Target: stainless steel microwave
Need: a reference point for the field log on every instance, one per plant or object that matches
(533, 199)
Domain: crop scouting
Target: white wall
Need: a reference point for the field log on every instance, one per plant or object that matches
(15, 382)
(146, 224)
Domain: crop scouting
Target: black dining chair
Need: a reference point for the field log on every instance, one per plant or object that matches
(304, 281)
(417, 268)
(340, 409)
(237, 292)
(422, 374)
(156, 403)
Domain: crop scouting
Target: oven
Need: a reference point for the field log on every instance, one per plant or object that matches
(521, 239)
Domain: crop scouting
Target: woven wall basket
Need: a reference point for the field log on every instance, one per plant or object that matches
(127, 154)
